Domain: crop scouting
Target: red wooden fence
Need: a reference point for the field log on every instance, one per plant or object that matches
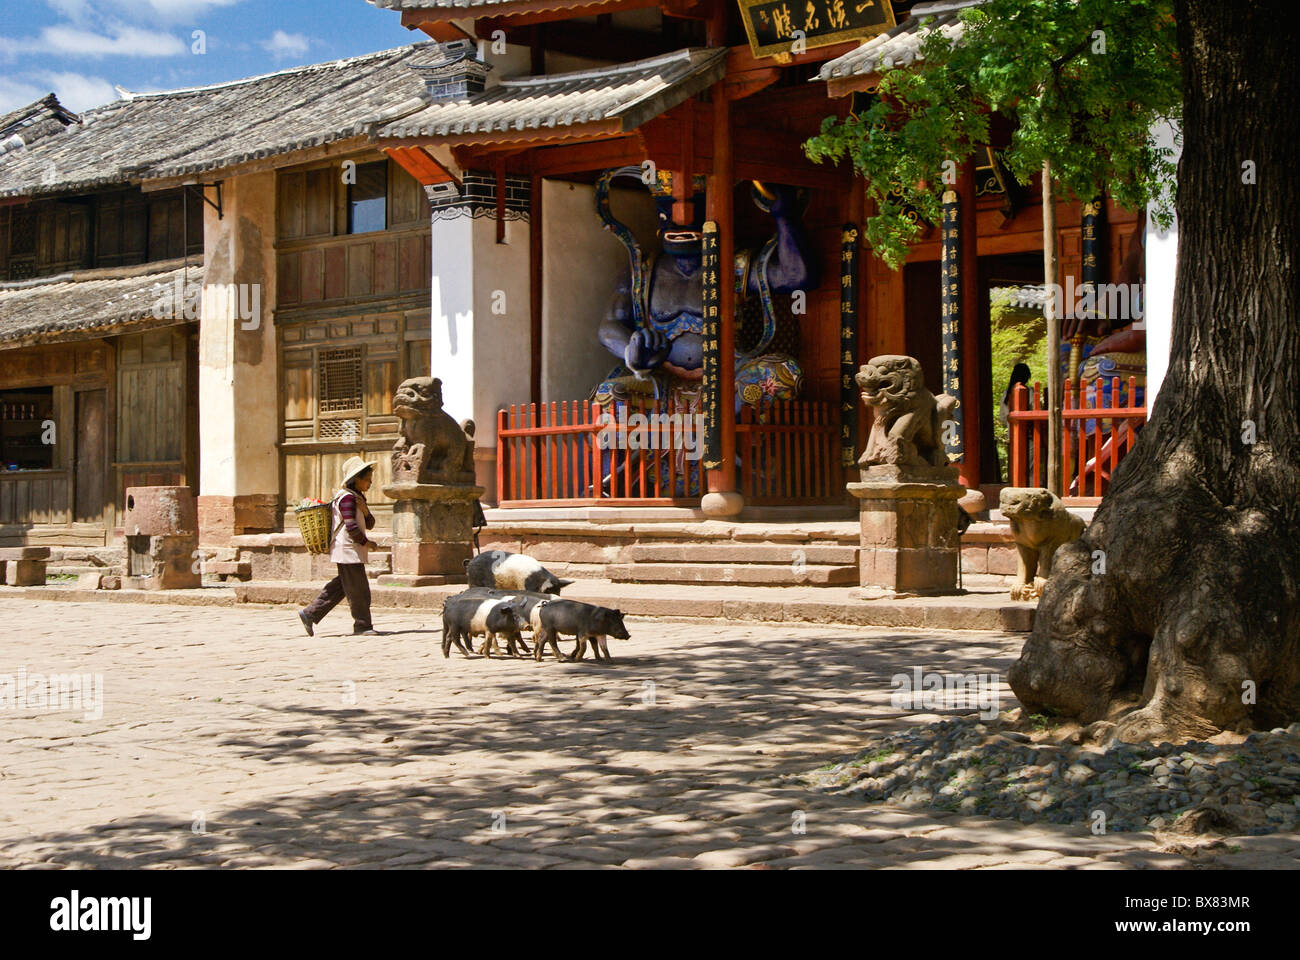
(793, 457)
(553, 454)
(1094, 437)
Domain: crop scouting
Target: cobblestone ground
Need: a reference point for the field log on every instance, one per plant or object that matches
(229, 738)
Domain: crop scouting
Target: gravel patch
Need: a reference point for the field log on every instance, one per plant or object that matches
(1007, 769)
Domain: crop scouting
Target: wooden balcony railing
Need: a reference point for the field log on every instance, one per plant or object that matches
(553, 454)
(1094, 437)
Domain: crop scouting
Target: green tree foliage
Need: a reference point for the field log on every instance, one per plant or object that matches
(1016, 335)
(1082, 82)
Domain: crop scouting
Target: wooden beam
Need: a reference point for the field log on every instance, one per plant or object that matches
(443, 31)
(684, 185)
(338, 148)
(419, 164)
(533, 136)
(582, 40)
(742, 60)
(598, 155)
(514, 13)
(749, 83)
(972, 383)
(844, 86)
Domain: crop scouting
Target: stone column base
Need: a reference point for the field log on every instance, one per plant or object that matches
(909, 531)
(222, 517)
(162, 563)
(433, 534)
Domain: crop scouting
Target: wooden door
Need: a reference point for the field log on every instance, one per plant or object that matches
(88, 465)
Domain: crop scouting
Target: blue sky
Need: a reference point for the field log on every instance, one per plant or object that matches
(83, 49)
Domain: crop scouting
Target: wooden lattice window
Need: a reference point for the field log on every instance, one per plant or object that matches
(340, 380)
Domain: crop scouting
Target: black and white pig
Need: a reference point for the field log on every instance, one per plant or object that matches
(502, 570)
(584, 621)
(468, 615)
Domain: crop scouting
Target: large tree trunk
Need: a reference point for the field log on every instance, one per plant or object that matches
(1194, 627)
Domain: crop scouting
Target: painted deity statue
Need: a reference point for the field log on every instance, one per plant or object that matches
(655, 324)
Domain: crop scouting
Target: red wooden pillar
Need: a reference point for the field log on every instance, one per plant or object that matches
(720, 209)
(972, 383)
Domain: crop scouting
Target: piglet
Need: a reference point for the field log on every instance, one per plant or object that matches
(584, 621)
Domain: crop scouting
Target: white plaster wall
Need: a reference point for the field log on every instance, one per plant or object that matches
(501, 339)
(452, 314)
(581, 263)
(1161, 268)
(238, 368)
(517, 61)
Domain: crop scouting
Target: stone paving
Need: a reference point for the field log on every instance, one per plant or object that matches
(229, 738)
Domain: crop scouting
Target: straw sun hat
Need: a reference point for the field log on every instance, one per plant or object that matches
(354, 466)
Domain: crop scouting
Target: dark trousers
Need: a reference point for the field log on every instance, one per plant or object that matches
(351, 583)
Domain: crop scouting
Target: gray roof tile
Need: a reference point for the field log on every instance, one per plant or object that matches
(900, 46)
(631, 93)
(183, 132)
(88, 303)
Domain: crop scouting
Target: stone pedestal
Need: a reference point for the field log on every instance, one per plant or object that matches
(433, 533)
(28, 566)
(162, 538)
(909, 530)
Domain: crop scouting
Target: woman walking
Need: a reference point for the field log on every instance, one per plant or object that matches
(349, 548)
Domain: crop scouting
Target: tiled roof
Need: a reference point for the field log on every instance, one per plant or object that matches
(901, 45)
(89, 303)
(1026, 296)
(33, 122)
(630, 93)
(188, 131)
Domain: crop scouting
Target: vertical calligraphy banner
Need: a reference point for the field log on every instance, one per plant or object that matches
(848, 344)
(712, 366)
(950, 301)
(1090, 248)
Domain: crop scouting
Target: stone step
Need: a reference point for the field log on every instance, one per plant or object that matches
(983, 607)
(806, 574)
(229, 568)
(778, 553)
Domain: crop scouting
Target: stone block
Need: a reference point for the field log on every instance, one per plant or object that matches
(89, 581)
(432, 528)
(162, 562)
(24, 573)
(909, 533)
(221, 518)
(160, 512)
(1002, 560)
(24, 553)
(229, 568)
(975, 559)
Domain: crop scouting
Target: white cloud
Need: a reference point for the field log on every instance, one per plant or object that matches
(80, 10)
(15, 94)
(79, 92)
(122, 42)
(284, 44)
(75, 91)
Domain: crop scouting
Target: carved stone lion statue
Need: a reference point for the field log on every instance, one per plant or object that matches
(908, 420)
(1040, 524)
(433, 448)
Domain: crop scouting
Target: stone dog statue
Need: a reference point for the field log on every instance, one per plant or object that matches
(908, 420)
(1040, 524)
(433, 448)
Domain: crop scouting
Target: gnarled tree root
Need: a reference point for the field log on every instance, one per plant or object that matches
(1174, 617)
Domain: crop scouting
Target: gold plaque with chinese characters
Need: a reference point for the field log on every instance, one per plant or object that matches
(777, 27)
